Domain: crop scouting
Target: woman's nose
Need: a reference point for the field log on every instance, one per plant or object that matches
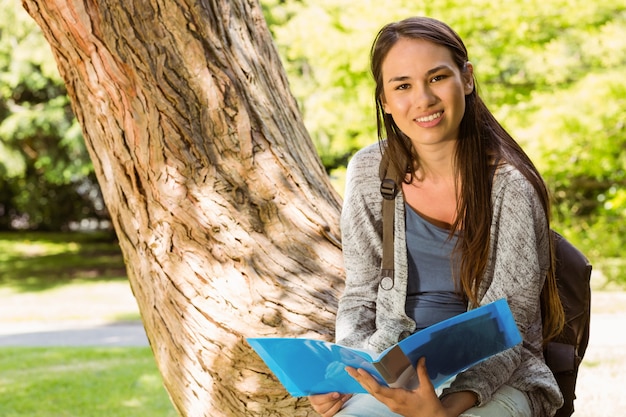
(423, 97)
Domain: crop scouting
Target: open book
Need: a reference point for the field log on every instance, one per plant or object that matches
(308, 366)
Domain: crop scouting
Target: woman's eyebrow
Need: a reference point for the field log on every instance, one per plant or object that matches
(398, 78)
(437, 69)
(431, 71)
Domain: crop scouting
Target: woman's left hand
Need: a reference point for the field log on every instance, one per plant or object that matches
(422, 401)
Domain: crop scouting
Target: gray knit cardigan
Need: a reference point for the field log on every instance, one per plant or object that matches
(373, 318)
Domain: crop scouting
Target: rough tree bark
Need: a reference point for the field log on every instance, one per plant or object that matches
(225, 217)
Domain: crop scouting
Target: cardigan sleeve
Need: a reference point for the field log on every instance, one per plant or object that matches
(361, 229)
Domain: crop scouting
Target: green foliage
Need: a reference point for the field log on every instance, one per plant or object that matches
(85, 382)
(326, 55)
(46, 177)
(572, 123)
(551, 70)
(579, 139)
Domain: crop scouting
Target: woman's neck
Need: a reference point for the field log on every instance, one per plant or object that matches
(433, 191)
(436, 163)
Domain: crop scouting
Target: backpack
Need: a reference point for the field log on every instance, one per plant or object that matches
(563, 354)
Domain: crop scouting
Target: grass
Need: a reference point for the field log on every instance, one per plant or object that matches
(73, 276)
(81, 382)
(41, 261)
(49, 277)
(63, 276)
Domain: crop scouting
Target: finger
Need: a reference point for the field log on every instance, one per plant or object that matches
(328, 404)
(422, 374)
(338, 405)
(324, 402)
(324, 398)
(367, 381)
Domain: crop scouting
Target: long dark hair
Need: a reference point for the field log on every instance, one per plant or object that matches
(482, 140)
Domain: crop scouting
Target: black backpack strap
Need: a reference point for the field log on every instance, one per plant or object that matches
(389, 190)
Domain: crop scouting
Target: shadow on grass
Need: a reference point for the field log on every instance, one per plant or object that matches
(33, 261)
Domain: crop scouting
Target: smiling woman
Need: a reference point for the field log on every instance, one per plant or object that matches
(425, 97)
(426, 100)
(471, 226)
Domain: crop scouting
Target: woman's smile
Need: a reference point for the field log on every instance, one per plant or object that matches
(430, 120)
(424, 91)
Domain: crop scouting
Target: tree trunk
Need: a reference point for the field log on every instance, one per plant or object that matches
(225, 216)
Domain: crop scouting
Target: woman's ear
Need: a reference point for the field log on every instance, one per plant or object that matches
(468, 78)
(384, 104)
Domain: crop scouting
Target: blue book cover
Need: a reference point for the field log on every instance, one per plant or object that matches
(309, 366)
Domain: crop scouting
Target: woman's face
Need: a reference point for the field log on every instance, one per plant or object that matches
(424, 91)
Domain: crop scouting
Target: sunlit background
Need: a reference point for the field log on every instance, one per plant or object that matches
(552, 71)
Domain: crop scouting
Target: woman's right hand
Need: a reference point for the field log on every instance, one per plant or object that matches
(327, 405)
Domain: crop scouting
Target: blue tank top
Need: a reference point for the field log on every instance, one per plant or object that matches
(431, 292)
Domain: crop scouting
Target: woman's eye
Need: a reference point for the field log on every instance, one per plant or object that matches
(437, 78)
(402, 87)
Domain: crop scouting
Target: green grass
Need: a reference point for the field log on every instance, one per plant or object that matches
(72, 276)
(40, 261)
(63, 276)
(81, 382)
